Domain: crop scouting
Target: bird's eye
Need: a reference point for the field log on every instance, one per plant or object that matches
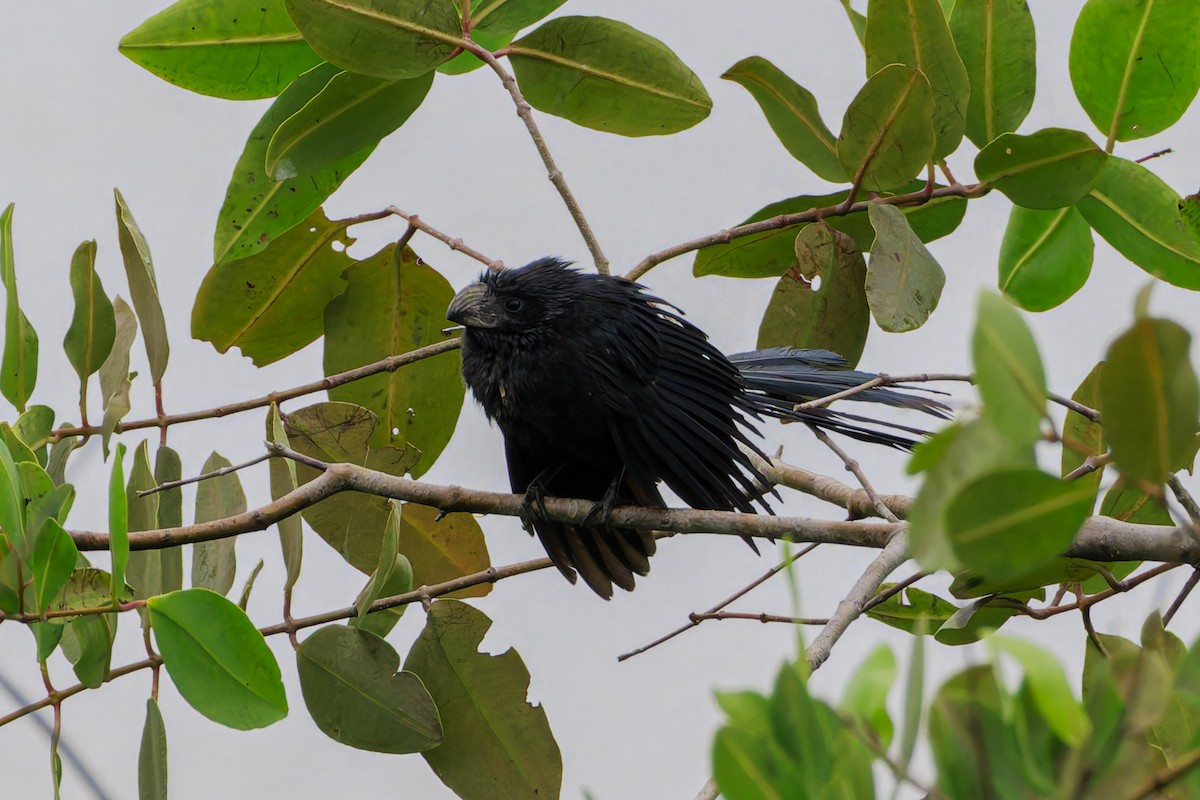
(513, 304)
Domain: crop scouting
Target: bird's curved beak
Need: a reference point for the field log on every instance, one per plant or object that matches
(473, 307)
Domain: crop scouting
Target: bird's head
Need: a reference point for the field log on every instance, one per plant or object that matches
(514, 300)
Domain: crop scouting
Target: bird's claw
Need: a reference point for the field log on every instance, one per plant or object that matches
(533, 506)
(599, 514)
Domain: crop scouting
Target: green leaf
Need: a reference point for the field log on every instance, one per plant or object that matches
(19, 450)
(87, 643)
(214, 563)
(399, 581)
(998, 538)
(1045, 257)
(88, 587)
(791, 110)
(904, 282)
(1051, 692)
(997, 43)
(1150, 400)
(1008, 370)
(283, 481)
(152, 755)
(496, 744)
(1134, 64)
(832, 315)
(1138, 215)
(89, 340)
(888, 128)
(603, 74)
(443, 549)
(1051, 168)
(60, 451)
(915, 33)
(118, 521)
(973, 742)
(922, 614)
(499, 17)
(168, 468)
(857, 21)
(143, 288)
(151, 572)
(772, 253)
(351, 112)
(47, 636)
(18, 372)
(865, 696)
(115, 410)
(270, 304)
(53, 560)
(1082, 438)
(256, 209)
(351, 523)
(12, 503)
(1130, 504)
(248, 586)
(388, 553)
(357, 696)
(385, 38)
(466, 62)
(115, 369)
(217, 658)
(393, 303)
(1189, 214)
(224, 48)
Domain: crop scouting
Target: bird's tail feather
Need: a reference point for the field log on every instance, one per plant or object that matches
(780, 378)
(603, 556)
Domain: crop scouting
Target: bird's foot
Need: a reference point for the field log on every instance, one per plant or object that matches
(601, 512)
(533, 506)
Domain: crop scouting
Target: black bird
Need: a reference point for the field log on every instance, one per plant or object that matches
(602, 391)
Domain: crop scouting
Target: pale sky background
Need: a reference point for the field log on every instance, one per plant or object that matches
(77, 119)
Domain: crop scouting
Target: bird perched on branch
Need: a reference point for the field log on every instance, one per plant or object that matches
(602, 391)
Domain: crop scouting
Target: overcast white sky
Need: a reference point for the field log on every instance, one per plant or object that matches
(77, 119)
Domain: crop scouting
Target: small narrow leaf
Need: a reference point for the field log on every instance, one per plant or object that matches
(143, 287)
(152, 755)
(283, 481)
(217, 658)
(244, 600)
(922, 614)
(214, 563)
(388, 553)
(1045, 257)
(89, 340)
(118, 522)
(887, 131)
(606, 75)
(904, 282)
(167, 468)
(791, 110)
(18, 372)
(115, 369)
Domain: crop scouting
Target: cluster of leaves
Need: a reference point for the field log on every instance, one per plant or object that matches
(1131, 736)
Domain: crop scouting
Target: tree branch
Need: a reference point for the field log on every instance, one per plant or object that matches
(453, 243)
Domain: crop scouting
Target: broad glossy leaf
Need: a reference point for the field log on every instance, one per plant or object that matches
(384, 38)
(1150, 399)
(394, 302)
(350, 522)
(1134, 64)
(93, 326)
(499, 17)
(224, 48)
(143, 288)
(1011, 522)
(980, 619)
(53, 560)
(915, 33)
(772, 253)
(256, 209)
(1048, 169)
(865, 696)
(904, 282)
(830, 316)
(270, 304)
(603, 74)
(996, 41)
(152, 755)
(357, 696)
(1008, 370)
(791, 110)
(217, 658)
(351, 112)
(496, 744)
(1138, 215)
(1045, 257)
(888, 127)
(214, 563)
(1082, 438)
(115, 369)
(283, 481)
(18, 371)
(923, 613)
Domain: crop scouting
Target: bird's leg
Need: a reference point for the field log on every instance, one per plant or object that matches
(599, 515)
(533, 506)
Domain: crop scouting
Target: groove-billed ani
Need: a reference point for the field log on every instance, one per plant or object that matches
(602, 390)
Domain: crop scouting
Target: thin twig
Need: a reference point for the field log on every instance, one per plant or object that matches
(453, 243)
(919, 197)
(206, 476)
(1089, 413)
(882, 380)
(1089, 465)
(1090, 600)
(856, 469)
(525, 112)
(1192, 580)
(694, 619)
(710, 791)
(894, 589)
(1165, 777)
(1155, 154)
(823, 487)
(389, 364)
(763, 617)
(1186, 500)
